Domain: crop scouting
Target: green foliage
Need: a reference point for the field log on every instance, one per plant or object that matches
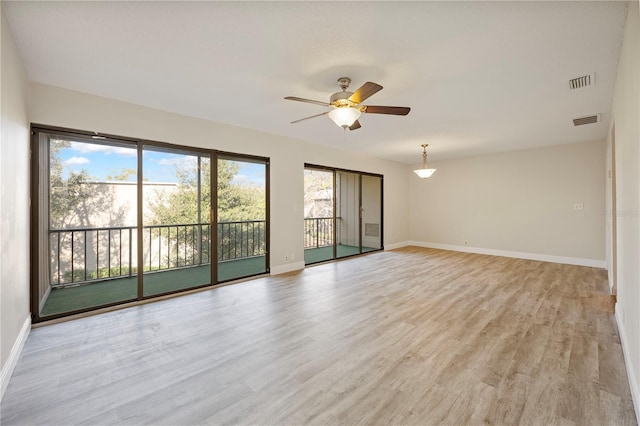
(76, 201)
(237, 201)
(95, 274)
(122, 176)
(318, 193)
(73, 202)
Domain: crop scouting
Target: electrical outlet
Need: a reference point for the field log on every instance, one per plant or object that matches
(465, 243)
(293, 256)
(286, 258)
(578, 206)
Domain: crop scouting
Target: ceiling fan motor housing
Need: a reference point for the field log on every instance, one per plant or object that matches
(341, 99)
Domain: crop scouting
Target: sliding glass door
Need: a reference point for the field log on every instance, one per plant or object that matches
(343, 213)
(241, 217)
(371, 213)
(319, 220)
(347, 213)
(118, 220)
(176, 232)
(87, 223)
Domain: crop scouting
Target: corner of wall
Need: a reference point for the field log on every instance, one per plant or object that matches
(283, 269)
(394, 246)
(14, 199)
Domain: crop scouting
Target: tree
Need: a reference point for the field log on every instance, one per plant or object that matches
(65, 193)
(237, 201)
(78, 200)
(318, 193)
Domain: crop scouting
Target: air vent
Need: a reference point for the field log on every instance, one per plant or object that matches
(586, 120)
(582, 81)
(371, 229)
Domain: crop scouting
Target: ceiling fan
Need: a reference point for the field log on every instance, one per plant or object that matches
(346, 106)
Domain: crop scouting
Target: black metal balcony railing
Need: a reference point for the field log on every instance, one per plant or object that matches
(239, 240)
(318, 232)
(175, 246)
(89, 254)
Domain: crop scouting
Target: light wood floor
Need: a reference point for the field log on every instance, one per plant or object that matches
(412, 336)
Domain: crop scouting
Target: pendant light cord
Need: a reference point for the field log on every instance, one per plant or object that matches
(424, 156)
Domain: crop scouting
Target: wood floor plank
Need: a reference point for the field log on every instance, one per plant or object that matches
(412, 336)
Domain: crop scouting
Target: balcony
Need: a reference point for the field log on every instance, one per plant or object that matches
(318, 240)
(92, 267)
(98, 266)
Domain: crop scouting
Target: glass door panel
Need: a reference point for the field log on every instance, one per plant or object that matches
(371, 213)
(176, 233)
(87, 223)
(241, 217)
(347, 213)
(318, 215)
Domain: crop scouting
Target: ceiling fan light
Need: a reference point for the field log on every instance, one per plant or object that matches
(344, 117)
(424, 173)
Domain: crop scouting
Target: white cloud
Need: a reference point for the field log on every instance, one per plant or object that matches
(188, 161)
(88, 148)
(167, 161)
(76, 161)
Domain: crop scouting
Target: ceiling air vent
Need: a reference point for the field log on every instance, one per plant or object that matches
(582, 81)
(586, 120)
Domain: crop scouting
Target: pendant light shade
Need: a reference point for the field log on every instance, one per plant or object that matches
(344, 116)
(424, 172)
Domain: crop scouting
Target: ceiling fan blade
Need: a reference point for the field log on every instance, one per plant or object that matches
(365, 91)
(309, 101)
(355, 126)
(371, 109)
(313, 116)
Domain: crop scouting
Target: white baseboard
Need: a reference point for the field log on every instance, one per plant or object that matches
(595, 263)
(289, 267)
(633, 384)
(12, 361)
(394, 246)
(610, 280)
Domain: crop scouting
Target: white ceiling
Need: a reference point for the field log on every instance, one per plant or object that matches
(479, 77)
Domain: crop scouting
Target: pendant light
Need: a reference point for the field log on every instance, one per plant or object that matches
(424, 172)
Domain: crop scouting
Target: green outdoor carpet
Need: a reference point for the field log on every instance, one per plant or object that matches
(326, 253)
(70, 299)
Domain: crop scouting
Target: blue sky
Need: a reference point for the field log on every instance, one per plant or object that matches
(101, 161)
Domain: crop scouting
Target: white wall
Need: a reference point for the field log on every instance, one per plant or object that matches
(626, 116)
(521, 201)
(14, 209)
(59, 107)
